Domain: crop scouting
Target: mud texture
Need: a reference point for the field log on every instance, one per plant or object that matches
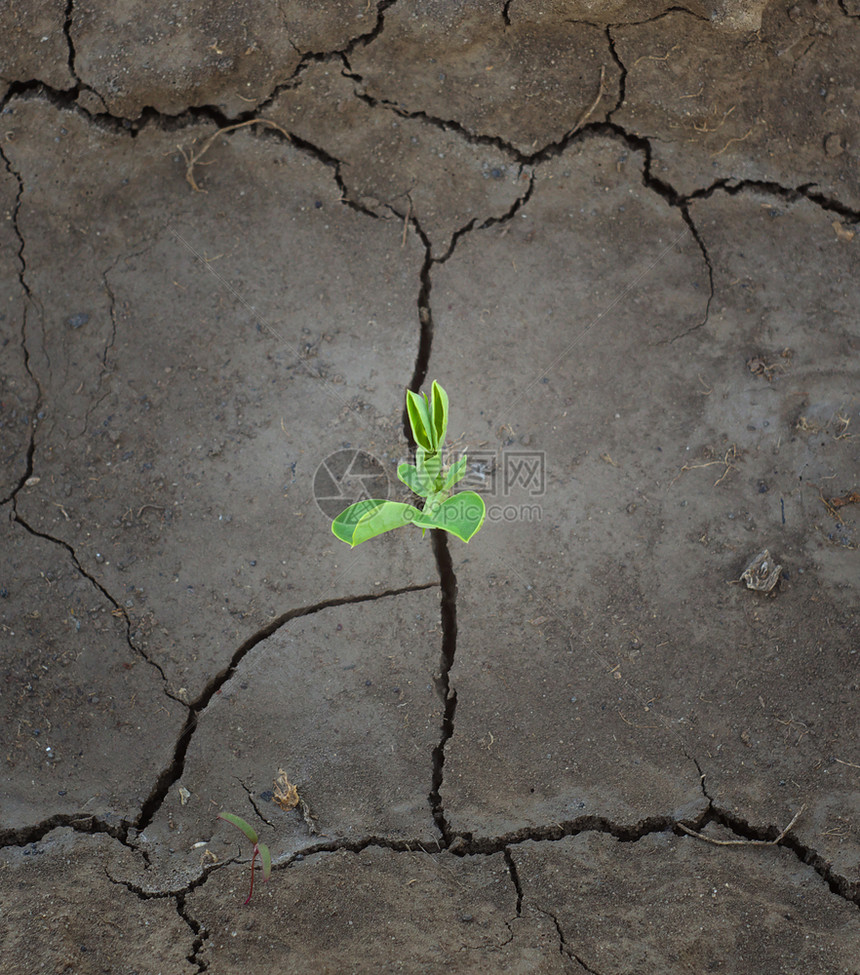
(624, 237)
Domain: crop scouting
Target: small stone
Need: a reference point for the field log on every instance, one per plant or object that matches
(76, 321)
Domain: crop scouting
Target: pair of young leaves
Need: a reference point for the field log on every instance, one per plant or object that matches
(462, 514)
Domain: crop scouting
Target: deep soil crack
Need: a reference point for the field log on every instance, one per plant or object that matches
(838, 885)
(622, 77)
(198, 931)
(425, 323)
(67, 33)
(447, 695)
(466, 844)
(790, 194)
(80, 823)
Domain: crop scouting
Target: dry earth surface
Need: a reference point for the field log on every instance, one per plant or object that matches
(626, 238)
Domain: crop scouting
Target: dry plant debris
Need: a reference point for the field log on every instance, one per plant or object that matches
(775, 842)
(762, 574)
(759, 366)
(193, 158)
(286, 794)
(834, 504)
(731, 455)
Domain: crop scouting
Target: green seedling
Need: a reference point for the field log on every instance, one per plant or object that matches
(462, 514)
(259, 848)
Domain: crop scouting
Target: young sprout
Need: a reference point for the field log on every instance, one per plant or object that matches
(259, 848)
(462, 514)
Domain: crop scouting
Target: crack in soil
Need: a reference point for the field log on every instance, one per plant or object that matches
(199, 932)
(111, 340)
(173, 772)
(447, 695)
(564, 949)
(473, 224)
(678, 9)
(622, 77)
(29, 299)
(790, 194)
(688, 220)
(442, 554)
(149, 895)
(118, 607)
(515, 879)
(67, 33)
(253, 803)
(466, 844)
(65, 99)
(425, 322)
(838, 885)
(25, 835)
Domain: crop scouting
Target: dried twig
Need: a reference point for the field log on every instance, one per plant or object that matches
(406, 220)
(191, 159)
(704, 127)
(655, 57)
(716, 842)
(730, 455)
(588, 112)
(742, 138)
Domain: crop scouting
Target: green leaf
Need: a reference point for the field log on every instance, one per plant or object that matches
(240, 823)
(265, 859)
(430, 463)
(462, 515)
(419, 419)
(367, 519)
(389, 515)
(417, 481)
(439, 413)
(455, 473)
(344, 525)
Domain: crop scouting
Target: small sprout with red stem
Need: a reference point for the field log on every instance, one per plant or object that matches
(259, 848)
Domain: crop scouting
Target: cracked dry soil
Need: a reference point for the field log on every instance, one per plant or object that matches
(624, 236)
